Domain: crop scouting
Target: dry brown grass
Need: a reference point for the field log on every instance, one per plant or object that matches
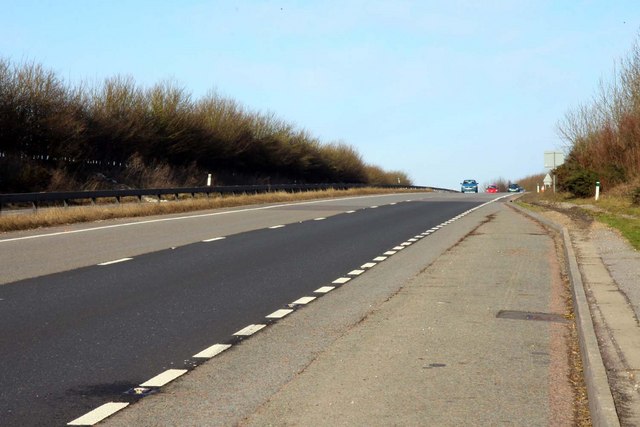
(60, 216)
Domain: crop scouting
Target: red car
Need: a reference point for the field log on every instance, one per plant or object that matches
(492, 189)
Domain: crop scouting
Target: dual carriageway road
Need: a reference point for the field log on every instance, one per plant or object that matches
(89, 312)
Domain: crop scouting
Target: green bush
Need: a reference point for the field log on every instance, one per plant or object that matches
(582, 183)
(573, 178)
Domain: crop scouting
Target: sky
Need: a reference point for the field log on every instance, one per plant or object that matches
(441, 90)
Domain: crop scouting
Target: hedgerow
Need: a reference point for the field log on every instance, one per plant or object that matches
(57, 136)
(604, 136)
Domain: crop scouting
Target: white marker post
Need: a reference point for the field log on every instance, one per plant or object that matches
(209, 180)
(597, 190)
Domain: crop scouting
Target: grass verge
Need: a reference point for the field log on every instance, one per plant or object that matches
(62, 216)
(628, 227)
(616, 212)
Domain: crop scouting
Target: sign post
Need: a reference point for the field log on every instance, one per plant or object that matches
(553, 159)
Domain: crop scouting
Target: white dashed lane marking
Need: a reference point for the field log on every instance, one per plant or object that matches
(388, 253)
(115, 261)
(303, 301)
(164, 378)
(398, 248)
(350, 211)
(98, 414)
(249, 330)
(212, 351)
(355, 272)
(341, 280)
(324, 289)
(319, 219)
(279, 314)
(368, 265)
(273, 227)
(380, 258)
(214, 239)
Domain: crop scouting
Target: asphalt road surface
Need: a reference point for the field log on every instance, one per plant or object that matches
(75, 334)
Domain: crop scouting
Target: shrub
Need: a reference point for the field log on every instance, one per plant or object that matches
(575, 179)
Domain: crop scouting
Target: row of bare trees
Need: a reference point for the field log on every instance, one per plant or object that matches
(57, 136)
(604, 136)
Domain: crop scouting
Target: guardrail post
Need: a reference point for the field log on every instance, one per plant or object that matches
(65, 203)
(139, 198)
(118, 200)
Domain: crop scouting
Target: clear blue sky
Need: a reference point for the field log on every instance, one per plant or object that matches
(443, 90)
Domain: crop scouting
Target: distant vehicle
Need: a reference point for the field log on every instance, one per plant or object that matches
(469, 186)
(515, 188)
(492, 188)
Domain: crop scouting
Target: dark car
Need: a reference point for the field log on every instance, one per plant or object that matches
(515, 188)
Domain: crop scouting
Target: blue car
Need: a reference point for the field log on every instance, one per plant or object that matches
(469, 186)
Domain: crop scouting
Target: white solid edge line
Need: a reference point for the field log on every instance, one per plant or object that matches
(98, 414)
(324, 289)
(341, 280)
(212, 351)
(303, 300)
(368, 265)
(279, 314)
(164, 378)
(276, 226)
(179, 218)
(249, 330)
(214, 239)
(115, 261)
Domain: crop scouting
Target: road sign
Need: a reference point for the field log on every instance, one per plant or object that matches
(553, 159)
